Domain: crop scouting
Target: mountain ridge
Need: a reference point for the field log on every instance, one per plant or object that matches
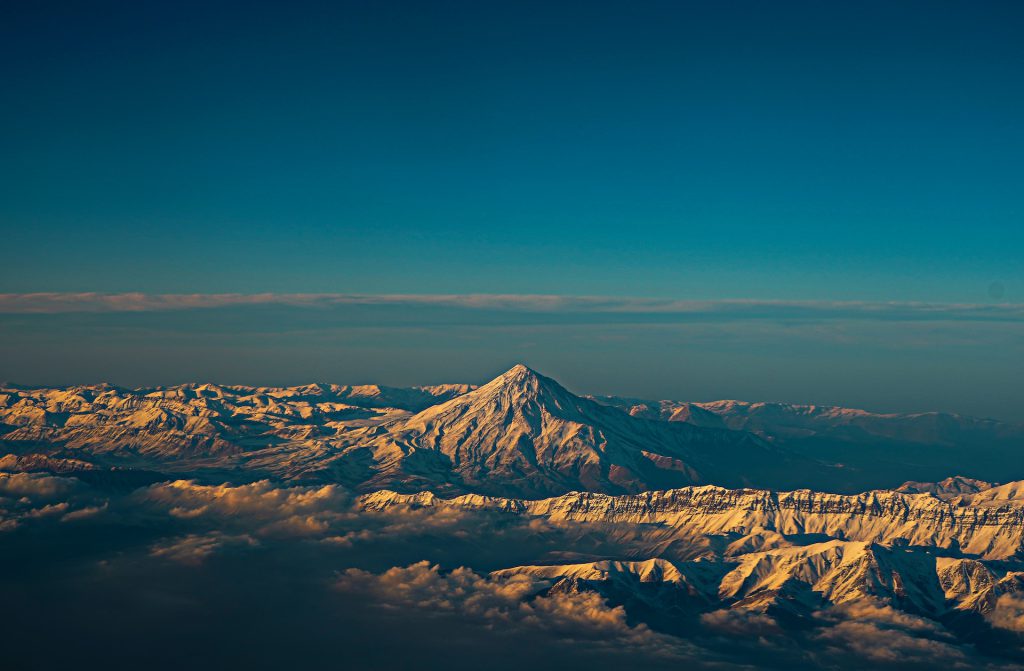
(520, 434)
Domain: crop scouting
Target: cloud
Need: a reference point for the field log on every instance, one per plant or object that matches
(411, 522)
(261, 506)
(85, 513)
(509, 603)
(322, 513)
(1008, 613)
(195, 548)
(740, 622)
(423, 585)
(26, 497)
(36, 486)
(206, 534)
(262, 510)
(881, 634)
(610, 306)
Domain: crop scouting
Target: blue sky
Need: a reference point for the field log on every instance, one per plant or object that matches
(786, 151)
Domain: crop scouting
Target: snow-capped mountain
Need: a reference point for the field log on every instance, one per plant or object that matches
(192, 426)
(988, 524)
(686, 526)
(789, 553)
(522, 434)
(874, 449)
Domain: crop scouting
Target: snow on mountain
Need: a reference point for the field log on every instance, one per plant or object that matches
(188, 426)
(786, 420)
(651, 570)
(657, 582)
(789, 554)
(992, 529)
(685, 514)
(869, 449)
(522, 434)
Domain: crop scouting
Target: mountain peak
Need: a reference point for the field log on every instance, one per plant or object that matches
(522, 382)
(519, 371)
(516, 376)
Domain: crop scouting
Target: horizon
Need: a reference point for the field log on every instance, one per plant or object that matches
(884, 356)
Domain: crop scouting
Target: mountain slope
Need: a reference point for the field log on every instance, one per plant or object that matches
(874, 449)
(989, 525)
(523, 432)
(192, 426)
(765, 556)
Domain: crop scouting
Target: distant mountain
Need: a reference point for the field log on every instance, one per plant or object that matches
(874, 449)
(194, 425)
(951, 489)
(374, 396)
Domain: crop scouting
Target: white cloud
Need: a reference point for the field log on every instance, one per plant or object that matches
(36, 486)
(266, 508)
(739, 309)
(514, 602)
(881, 634)
(1008, 613)
(26, 497)
(196, 548)
(739, 622)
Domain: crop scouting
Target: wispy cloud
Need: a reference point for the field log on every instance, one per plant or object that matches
(56, 303)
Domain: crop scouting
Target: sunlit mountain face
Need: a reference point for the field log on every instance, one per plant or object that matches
(513, 521)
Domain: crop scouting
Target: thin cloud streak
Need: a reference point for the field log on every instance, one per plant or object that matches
(88, 302)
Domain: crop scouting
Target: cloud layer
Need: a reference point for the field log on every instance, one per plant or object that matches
(57, 303)
(511, 603)
(421, 579)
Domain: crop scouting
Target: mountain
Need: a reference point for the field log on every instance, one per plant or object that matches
(522, 434)
(988, 525)
(873, 449)
(519, 500)
(954, 488)
(788, 554)
(375, 396)
(195, 425)
(795, 581)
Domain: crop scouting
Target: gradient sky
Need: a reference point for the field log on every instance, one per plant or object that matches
(717, 150)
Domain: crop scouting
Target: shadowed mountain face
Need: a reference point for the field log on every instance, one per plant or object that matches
(869, 449)
(522, 434)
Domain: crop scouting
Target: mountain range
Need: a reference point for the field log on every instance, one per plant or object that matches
(691, 518)
(521, 434)
(784, 553)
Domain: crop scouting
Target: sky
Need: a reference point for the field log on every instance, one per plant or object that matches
(792, 152)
